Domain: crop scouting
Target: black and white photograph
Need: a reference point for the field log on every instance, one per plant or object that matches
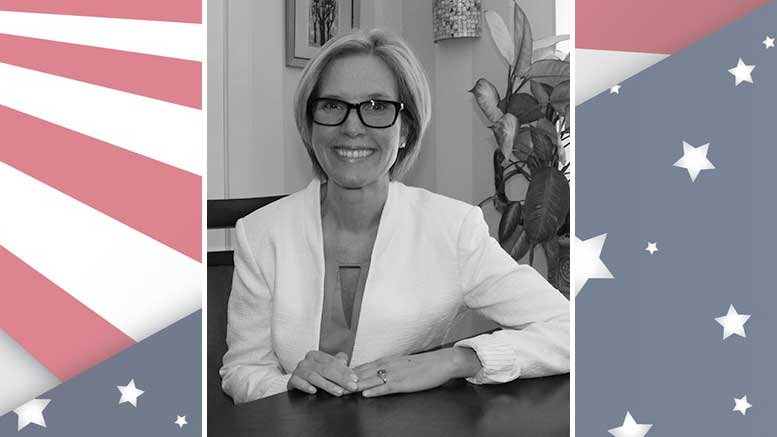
(389, 225)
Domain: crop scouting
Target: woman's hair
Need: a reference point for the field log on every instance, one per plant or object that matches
(411, 82)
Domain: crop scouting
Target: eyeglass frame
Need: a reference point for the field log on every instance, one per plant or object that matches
(398, 106)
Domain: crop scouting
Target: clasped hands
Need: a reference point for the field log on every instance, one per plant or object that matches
(404, 374)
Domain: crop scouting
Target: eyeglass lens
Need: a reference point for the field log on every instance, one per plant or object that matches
(373, 113)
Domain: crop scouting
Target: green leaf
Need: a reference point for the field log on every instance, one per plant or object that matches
(525, 107)
(501, 36)
(488, 98)
(509, 225)
(543, 147)
(523, 41)
(539, 92)
(559, 99)
(546, 205)
(504, 131)
(522, 147)
(550, 71)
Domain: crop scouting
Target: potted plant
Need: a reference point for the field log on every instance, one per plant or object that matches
(531, 125)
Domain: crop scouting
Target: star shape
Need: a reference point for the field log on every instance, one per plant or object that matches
(733, 323)
(694, 159)
(32, 412)
(588, 264)
(768, 42)
(630, 428)
(651, 248)
(615, 89)
(742, 72)
(180, 421)
(741, 405)
(129, 393)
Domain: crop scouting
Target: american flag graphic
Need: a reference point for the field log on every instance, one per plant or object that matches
(101, 145)
(675, 261)
(627, 37)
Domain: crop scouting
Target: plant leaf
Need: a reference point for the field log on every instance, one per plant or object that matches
(549, 41)
(523, 41)
(540, 93)
(504, 131)
(546, 205)
(548, 128)
(522, 147)
(552, 252)
(549, 71)
(488, 98)
(525, 107)
(559, 98)
(521, 246)
(501, 36)
(509, 225)
(542, 146)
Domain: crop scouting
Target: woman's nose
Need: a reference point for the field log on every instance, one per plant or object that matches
(352, 124)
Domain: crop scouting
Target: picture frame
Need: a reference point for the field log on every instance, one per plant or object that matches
(310, 23)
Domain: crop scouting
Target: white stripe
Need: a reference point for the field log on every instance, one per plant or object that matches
(598, 70)
(160, 130)
(134, 282)
(22, 377)
(175, 40)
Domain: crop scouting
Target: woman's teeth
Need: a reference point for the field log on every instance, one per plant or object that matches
(353, 153)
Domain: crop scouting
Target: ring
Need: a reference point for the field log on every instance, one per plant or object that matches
(382, 375)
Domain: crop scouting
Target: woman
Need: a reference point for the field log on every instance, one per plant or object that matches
(341, 286)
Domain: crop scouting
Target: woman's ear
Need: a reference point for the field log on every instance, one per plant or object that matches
(403, 135)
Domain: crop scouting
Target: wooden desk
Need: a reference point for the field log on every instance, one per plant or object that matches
(530, 407)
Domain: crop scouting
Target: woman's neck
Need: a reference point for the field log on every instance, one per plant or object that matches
(354, 210)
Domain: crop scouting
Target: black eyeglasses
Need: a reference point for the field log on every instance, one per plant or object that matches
(372, 113)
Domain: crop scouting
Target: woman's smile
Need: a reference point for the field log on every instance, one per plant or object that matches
(353, 154)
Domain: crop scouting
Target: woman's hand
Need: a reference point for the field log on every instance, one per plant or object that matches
(411, 373)
(321, 370)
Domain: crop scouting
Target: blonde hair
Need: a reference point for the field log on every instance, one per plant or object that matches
(411, 82)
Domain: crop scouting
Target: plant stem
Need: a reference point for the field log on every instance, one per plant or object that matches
(483, 202)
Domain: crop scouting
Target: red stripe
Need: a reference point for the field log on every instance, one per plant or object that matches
(159, 200)
(187, 11)
(56, 329)
(653, 26)
(173, 80)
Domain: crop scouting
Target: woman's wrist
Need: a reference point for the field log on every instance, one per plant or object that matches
(465, 362)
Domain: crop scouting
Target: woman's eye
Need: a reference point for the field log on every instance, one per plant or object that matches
(377, 106)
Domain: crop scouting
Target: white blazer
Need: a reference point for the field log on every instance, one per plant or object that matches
(432, 259)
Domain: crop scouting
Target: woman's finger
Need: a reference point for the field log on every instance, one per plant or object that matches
(340, 374)
(300, 384)
(381, 390)
(342, 356)
(369, 382)
(324, 384)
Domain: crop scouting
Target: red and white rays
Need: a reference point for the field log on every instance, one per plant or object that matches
(100, 178)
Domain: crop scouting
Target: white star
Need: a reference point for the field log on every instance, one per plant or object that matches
(129, 393)
(652, 248)
(768, 42)
(742, 72)
(32, 412)
(741, 405)
(630, 428)
(615, 89)
(733, 323)
(694, 160)
(180, 421)
(588, 265)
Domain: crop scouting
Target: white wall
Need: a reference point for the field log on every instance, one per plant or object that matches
(253, 145)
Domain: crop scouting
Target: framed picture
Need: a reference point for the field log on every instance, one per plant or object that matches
(311, 23)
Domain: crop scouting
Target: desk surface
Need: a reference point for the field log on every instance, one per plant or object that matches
(531, 407)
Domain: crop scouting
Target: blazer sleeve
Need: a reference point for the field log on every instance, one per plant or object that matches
(535, 341)
(250, 368)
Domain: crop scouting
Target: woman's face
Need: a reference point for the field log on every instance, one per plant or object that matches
(352, 154)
